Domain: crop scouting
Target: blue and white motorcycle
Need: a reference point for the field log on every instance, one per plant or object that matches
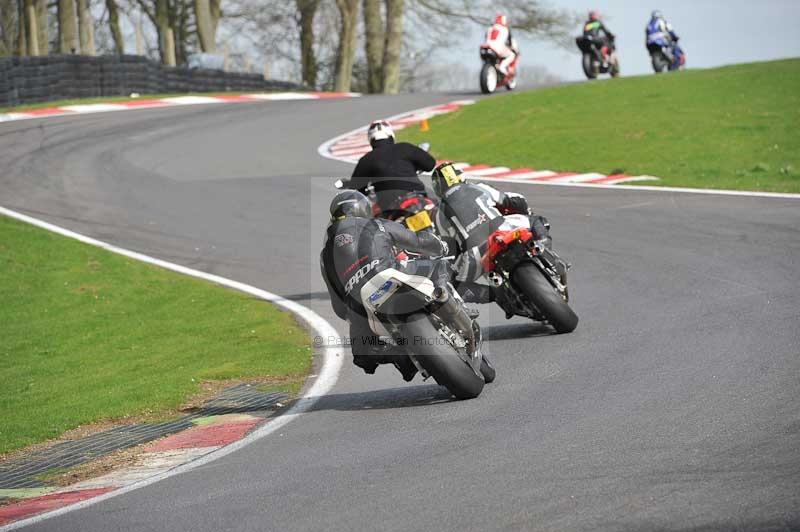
(666, 55)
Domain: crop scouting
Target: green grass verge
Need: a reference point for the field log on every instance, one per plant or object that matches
(730, 128)
(88, 335)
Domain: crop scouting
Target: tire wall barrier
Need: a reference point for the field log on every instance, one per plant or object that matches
(58, 77)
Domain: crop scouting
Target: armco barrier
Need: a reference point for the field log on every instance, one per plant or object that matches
(56, 77)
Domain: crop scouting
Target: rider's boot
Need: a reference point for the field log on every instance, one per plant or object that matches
(476, 293)
(405, 366)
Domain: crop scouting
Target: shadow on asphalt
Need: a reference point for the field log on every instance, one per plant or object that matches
(307, 296)
(516, 331)
(390, 398)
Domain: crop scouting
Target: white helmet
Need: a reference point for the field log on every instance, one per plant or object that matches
(379, 130)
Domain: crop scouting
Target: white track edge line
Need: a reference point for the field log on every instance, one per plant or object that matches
(325, 380)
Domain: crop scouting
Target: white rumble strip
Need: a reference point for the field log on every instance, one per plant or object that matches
(150, 103)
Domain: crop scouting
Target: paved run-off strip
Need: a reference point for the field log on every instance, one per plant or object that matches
(150, 103)
(350, 146)
(184, 450)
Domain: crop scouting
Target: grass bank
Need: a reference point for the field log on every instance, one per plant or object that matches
(88, 336)
(733, 127)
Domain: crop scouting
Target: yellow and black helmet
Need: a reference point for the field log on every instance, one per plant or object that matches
(444, 176)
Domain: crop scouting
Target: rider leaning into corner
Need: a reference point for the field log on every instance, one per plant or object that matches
(357, 247)
(468, 214)
(498, 38)
(391, 168)
(595, 29)
(660, 32)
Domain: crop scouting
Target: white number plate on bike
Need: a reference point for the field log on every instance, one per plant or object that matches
(380, 295)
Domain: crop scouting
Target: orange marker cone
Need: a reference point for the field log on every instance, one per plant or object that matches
(423, 126)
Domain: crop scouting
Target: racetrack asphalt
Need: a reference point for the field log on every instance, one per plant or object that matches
(675, 405)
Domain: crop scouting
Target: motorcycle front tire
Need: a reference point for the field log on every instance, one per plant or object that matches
(440, 359)
(588, 66)
(529, 279)
(660, 62)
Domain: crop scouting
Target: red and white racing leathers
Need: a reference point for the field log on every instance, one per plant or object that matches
(497, 40)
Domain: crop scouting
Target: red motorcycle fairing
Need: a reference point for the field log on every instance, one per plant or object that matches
(499, 241)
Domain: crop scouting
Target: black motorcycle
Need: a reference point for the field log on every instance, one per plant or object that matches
(598, 58)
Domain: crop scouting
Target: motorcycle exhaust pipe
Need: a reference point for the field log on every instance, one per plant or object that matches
(495, 278)
(451, 311)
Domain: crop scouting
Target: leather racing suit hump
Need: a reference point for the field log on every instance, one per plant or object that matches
(498, 38)
(598, 32)
(469, 213)
(392, 170)
(660, 32)
(356, 249)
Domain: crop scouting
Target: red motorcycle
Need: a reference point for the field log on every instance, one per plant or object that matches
(530, 279)
(491, 77)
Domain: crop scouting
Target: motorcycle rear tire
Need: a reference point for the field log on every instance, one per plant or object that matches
(440, 359)
(488, 78)
(533, 283)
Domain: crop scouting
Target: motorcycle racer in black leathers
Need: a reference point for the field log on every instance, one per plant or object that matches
(468, 214)
(391, 168)
(356, 247)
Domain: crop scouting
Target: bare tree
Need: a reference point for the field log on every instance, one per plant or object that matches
(345, 54)
(184, 29)
(86, 28)
(42, 26)
(531, 17)
(390, 82)
(373, 44)
(8, 26)
(22, 43)
(206, 24)
(113, 26)
(307, 10)
(158, 12)
(67, 27)
(31, 30)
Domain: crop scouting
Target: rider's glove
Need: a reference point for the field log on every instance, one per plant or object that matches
(514, 203)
